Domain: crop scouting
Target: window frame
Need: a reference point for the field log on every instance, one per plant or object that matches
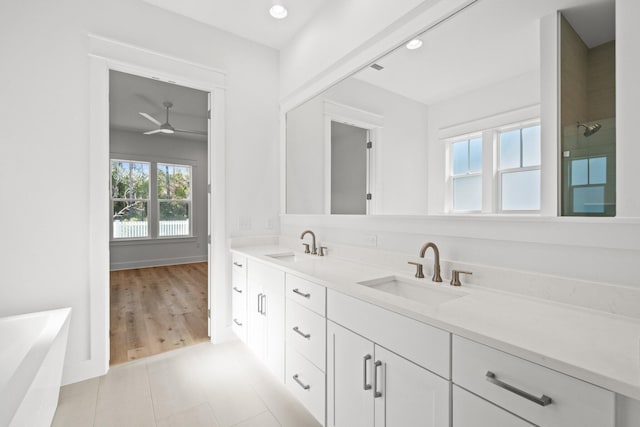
(112, 200)
(153, 213)
(190, 201)
(500, 172)
(467, 174)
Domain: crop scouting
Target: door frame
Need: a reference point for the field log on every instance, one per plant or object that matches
(105, 55)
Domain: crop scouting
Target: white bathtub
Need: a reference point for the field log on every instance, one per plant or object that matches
(32, 349)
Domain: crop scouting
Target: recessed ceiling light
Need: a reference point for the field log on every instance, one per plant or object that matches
(414, 44)
(278, 11)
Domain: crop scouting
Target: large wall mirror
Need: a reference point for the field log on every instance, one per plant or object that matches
(451, 122)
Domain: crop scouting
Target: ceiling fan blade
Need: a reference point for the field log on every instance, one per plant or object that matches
(152, 132)
(190, 131)
(151, 119)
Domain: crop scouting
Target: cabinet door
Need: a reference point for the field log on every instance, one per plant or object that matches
(255, 320)
(349, 378)
(408, 395)
(273, 309)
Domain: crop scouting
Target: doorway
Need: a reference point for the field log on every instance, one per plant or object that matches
(159, 210)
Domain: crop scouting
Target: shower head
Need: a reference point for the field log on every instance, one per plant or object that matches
(589, 130)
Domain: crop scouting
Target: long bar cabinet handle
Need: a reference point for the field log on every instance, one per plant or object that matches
(260, 303)
(544, 400)
(302, 334)
(300, 383)
(264, 305)
(302, 294)
(376, 365)
(365, 385)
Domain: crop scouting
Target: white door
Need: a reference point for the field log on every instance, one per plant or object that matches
(273, 309)
(407, 394)
(209, 213)
(349, 378)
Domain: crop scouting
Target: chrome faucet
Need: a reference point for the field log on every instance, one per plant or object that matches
(314, 250)
(436, 262)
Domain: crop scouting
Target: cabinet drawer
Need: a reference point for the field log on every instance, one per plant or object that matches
(306, 332)
(307, 383)
(470, 410)
(422, 344)
(491, 373)
(306, 293)
(239, 315)
(238, 272)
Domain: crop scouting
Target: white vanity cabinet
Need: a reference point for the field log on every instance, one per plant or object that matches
(369, 385)
(534, 393)
(265, 317)
(305, 333)
(239, 296)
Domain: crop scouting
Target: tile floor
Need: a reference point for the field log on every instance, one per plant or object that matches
(204, 385)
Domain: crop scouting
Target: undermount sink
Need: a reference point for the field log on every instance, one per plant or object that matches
(415, 290)
(286, 257)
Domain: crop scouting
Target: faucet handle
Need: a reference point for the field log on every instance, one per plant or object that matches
(321, 250)
(306, 248)
(455, 277)
(419, 271)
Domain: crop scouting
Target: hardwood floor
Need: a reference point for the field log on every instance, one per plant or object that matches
(157, 309)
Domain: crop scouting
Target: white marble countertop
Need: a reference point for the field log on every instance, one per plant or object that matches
(593, 346)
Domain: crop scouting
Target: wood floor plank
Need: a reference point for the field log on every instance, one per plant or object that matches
(157, 309)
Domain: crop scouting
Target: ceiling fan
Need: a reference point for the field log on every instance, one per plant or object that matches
(166, 126)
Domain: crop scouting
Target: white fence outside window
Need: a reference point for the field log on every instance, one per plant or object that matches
(137, 229)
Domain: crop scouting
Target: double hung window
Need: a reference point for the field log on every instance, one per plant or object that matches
(466, 176)
(519, 169)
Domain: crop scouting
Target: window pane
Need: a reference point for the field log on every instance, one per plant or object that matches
(129, 180)
(579, 172)
(130, 219)
(588, 199)
(521, 191)
(598, 170)
(510, 149)
(475, 158)
(174, 182)
(174, 219)
(531, 146)
(460, 153)
(467, 193)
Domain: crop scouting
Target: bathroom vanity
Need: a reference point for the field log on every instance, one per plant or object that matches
(359, 344)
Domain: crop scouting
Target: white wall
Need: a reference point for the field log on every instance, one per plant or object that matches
(45, 110)
(162, 148)
(400, 152)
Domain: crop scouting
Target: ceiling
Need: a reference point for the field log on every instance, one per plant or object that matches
(489, 42)
(247, 18)
(129, 95)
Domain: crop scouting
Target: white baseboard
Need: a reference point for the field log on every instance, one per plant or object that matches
(128, 265)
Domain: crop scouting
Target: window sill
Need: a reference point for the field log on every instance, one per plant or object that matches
(153, 241)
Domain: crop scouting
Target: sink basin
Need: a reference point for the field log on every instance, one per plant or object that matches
(286, 257)
(420, 291)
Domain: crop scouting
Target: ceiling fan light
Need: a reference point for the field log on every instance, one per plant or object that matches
(278, 11)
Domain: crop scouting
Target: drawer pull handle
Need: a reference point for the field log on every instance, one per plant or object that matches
(302, 334)
(300, 383)
(236, 264)
(260, 301)
(376, 393)
(237, 290)
(365, 385)
(236, 322)
(542, 401)
(263, 307)
(302, 294)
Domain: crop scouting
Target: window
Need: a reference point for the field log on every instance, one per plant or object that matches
(174, 200)
(130, 198)
(588, 181)
(466, 174)
(136, 186)
(519, 169)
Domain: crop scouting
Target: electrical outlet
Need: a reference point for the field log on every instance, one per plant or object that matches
(244, 223)
(371, 240)
(271, 223)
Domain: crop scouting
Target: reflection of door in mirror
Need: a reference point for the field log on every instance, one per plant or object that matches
(349, 169)
(588, 124)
